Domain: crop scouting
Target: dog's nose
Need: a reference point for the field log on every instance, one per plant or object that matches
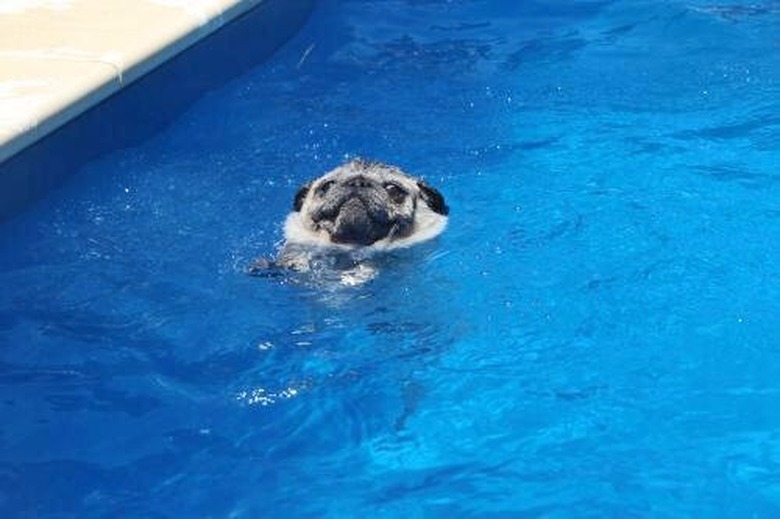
(358, 182)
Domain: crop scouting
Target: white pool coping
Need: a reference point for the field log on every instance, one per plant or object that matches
(59, 58)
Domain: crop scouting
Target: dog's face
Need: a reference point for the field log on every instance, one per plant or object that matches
(366, 204)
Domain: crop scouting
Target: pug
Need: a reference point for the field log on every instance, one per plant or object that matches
(353, 212)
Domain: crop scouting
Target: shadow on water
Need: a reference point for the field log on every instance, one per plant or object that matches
(149, 105)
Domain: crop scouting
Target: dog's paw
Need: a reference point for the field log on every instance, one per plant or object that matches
(263, 267)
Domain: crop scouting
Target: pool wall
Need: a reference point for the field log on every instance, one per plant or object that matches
(138, 101)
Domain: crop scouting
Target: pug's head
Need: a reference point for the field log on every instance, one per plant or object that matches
(366, 204)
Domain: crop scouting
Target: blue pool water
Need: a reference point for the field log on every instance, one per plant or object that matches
(595, 335)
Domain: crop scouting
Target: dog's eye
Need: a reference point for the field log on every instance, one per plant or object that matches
(396, 193)
(323, 188)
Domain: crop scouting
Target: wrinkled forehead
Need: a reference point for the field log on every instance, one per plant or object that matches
(376, 171)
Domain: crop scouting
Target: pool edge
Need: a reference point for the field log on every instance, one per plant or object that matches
(129, 114)
(52, 79)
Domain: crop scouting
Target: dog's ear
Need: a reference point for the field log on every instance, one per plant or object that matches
(433, 199)
(300, 196)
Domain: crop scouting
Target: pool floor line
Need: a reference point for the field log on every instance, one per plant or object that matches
(58, 59)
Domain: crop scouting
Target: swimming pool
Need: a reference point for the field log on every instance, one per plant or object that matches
(595, 335)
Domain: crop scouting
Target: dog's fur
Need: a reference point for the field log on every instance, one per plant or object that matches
(356, 210)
